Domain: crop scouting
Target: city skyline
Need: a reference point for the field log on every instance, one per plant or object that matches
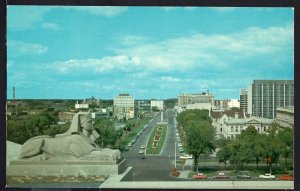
(149, 52)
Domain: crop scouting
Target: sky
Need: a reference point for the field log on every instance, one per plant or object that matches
(73, 52)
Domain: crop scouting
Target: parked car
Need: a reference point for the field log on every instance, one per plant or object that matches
(129, 144)
(141, 151)
(186, 156)
(221, 175)
(267, 176)
(142, 146)
(286, 177)
(242, 176)
(180, 144)
(200, 176)
(181, 150)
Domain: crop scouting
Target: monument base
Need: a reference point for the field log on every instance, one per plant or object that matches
(52, 170)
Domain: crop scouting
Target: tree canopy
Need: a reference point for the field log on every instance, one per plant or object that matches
(199, 132)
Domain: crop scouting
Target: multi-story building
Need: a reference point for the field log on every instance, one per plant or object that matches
(159, 104)
(221, 104)
(142, 106)
(123, 106)
(285, 117)
(203, 100)
(233, 103)
(92, 101)
(81, 105)
(264, 96)
(243, 100)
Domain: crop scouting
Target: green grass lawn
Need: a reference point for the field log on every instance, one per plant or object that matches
(158, 148)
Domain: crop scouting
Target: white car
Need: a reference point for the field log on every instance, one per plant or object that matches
(129, 145)
(141, 151)
(179, 144)
(267, 176)
(142, 146)
(186, 157)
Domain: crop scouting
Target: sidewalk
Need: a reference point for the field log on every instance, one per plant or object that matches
(184, 173)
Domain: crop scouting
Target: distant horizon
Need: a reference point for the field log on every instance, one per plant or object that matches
(147, 52)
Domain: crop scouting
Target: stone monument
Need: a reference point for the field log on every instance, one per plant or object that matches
(71, 153)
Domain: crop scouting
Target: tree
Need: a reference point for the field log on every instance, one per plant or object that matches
(200, 140)
(224, 153)
(287, 143)
(108, 134)
(199, 133)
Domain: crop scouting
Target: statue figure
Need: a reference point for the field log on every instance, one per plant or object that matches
(77, 143)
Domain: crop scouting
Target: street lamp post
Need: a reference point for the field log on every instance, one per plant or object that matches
(175, 154)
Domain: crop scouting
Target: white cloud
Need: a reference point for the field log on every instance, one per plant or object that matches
(51, 26)
(198, 51)
(25, 48)
(25, 17)
(105, 64)
(108, 11)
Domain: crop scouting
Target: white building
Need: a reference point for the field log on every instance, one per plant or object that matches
(285, 117)
(124, 106)
(157, 103)
(195, 101)
(81, 105)
(229, 124)
(234, 103)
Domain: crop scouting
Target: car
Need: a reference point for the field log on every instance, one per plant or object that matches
(129, 144)
(200, 176)
(180, 144)
(142, 146)
(186, 156)
(143, 156)
(181, 150)
(286, 177)
(221, 175)
(267, 176)
(141, 151)
(242, 176)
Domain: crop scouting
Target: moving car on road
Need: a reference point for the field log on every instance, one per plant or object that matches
(242, 176)
(267, 176)
(200, 176)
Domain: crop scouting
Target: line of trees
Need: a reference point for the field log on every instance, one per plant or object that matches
(251, 147)
(199, 132)
(22, 128)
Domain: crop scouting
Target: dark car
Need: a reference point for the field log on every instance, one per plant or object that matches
(242, 176)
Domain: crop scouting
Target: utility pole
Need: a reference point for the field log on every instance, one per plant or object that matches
(175, 155)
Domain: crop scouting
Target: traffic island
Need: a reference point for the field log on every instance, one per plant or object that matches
(156, 139)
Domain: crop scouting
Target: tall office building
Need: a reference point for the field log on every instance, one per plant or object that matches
(264, 96)
(124, 106)
(243, 100)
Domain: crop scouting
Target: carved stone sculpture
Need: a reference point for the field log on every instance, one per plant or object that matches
(77, 143)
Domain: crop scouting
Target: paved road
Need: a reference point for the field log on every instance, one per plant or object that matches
(154, 167)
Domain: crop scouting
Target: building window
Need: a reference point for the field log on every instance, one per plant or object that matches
(231, 128)
(237, 128)
(221, 129)
(265, 128)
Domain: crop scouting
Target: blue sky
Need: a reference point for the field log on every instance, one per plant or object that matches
(149, 52)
